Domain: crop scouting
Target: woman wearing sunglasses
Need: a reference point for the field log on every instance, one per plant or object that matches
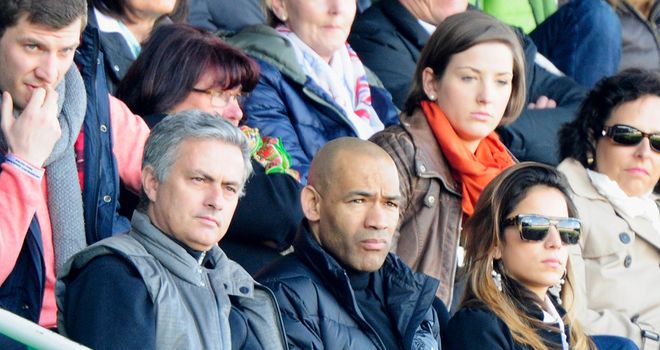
(612, 162)
(519, 281)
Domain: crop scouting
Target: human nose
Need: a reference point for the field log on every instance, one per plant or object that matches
(378, 218)
(215, 198)
(553, 240)
(47, 69)
(233, 112)
(485, 93)
(341, 6)
(643, 149)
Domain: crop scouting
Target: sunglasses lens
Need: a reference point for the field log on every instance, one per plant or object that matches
(626, 136)
(655, 142)
(534, 228)
(569, 230)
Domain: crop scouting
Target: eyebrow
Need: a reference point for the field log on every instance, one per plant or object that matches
(205, 175)
(36, 41)
(360, 193)
(479, 71)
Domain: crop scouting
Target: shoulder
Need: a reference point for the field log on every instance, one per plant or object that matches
(477, 328)
(372, 22)
(392, 135)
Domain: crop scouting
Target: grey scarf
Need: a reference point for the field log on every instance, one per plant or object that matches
(64, 198)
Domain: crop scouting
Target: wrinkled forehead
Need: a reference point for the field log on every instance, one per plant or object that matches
(364, 172)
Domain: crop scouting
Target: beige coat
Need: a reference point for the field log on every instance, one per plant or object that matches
(616, 265)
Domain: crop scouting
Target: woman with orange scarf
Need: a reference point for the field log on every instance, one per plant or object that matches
(469, 80)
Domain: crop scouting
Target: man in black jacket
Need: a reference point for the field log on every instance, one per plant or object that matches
(341, 288)
(389, 36)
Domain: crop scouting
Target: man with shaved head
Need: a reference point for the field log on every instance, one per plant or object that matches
(341, 288)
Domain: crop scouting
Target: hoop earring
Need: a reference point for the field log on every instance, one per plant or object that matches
(555, 290)
(497, 277)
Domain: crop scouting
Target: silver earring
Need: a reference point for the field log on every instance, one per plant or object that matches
(497, 278)
(432, 97)
(555, 290)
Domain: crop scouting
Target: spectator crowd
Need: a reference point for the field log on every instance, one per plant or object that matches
(331, 174)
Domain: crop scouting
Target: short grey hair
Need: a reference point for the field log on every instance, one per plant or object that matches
(162, 146)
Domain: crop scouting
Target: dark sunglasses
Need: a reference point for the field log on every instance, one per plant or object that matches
(629, 136)
(534, 227)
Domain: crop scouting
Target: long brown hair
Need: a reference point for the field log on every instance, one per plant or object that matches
(485, 231)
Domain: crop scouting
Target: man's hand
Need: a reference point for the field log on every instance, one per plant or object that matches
(542, 102)
(34, 133)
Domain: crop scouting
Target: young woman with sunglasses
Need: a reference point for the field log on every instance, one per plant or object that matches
(519, 290)
(612, 162)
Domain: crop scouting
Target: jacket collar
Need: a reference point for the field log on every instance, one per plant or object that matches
(405, 22)
(580, 184)
(408, 295)
(429, 160)
(264, 43)
(182, 264)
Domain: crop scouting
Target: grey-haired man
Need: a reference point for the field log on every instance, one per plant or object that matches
(166, 284)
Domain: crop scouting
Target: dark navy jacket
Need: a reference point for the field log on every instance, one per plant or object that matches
(320, 311)
(288, 104)
(23, 290)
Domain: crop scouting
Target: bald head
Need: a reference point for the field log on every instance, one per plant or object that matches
(351, 202)
(337, 158)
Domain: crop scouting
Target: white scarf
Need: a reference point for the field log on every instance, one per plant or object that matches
(344, 79)
(551, 316)
(638, 206)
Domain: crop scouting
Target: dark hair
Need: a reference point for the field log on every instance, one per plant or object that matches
(484, 231)
(120, 9)
(52, 14)
(458, 33)
(578, 139)
(173, 60)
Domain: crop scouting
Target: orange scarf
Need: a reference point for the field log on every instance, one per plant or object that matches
(474, 171)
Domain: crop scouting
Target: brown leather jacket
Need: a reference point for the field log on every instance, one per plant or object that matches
(430, 219)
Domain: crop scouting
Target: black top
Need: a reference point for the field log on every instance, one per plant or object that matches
(320, 309)
(369, 295)
(479, 328)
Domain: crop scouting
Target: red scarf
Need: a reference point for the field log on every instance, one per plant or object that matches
(474, 171)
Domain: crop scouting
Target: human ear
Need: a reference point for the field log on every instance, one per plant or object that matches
(149, 183)
(310, 201)
(429, 83)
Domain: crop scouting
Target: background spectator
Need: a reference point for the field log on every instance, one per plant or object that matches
(120, 26)
(469, 80)
(185, 68)
(389, 37)
(612, 164)
(313, 87)
(640, 32)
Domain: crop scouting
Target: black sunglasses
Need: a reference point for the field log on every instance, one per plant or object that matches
(629, 136)
(534, 227)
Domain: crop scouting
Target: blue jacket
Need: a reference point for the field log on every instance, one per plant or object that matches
(319, 308)
(288, 104)
(23, 290)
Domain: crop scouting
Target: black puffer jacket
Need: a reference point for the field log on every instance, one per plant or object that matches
(319, 309)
